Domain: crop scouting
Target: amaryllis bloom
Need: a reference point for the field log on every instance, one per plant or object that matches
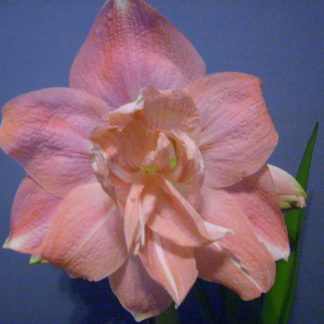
(148, 171)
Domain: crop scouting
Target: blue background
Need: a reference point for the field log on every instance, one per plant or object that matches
(279, 41)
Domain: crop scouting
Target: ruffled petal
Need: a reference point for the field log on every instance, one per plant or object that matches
(137, 291)
(257, 197)
(176, 220)
(240, 262)
(238, 135)
(170, 110)
(48, 132)
(289, 191)
(131, 46)
(86, 234)
(171, 265)
(31, 216)
(162, 110)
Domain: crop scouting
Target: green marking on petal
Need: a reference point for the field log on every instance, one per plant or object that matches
(173, 163)
(150, 169)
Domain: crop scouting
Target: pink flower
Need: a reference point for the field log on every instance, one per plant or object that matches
(148, 171)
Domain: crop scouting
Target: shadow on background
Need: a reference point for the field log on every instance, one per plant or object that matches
(94, 302)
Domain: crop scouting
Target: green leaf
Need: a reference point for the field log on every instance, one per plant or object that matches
(170, 316)
(278, 301)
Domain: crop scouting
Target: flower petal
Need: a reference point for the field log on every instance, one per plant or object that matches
(290, 192)
(215, 265)
(176, 220)
(170, 110)
(137, 291)
(139, 206)
(86, 235)
(131, 46)
(48, 132)
(171, 265)
(244, 263)
(238, 135)
(32, 212)
(257, 198)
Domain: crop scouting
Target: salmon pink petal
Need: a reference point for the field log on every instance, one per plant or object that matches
(31, 216)
(290, 192)
(238, 135)
(139, 206)
(131, 46)
(137, 291)
(163, 110)
(170, 110)
(48, 132)
(257, 198)
(189, 164)
(245, 265)
(86, 234)
(171, 265)
(215, 265)
(177, 220)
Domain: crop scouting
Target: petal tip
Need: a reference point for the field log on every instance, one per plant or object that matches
(141, 316)
(12, 244)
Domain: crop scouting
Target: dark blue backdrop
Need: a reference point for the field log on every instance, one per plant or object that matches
(279, 41)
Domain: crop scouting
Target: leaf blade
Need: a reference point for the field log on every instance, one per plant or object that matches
(278, 301)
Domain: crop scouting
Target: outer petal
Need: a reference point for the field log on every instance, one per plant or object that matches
(172, 266)
(257, 198)
(238, 134)
(48, 132)
(290, 192)
(86, 235)
(32, 212)
(137, 291)
(176, 220)
(240, 262)
(216, 265)
(131, 46)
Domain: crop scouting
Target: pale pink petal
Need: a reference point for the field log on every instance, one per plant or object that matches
(124, 148)
(289, 191)
(170, 110)
(31, 216)
(137, 291)
(215, 265)
(244, 263)
(257, 198)
(86, 234)
(171, 265)
(135, 215)
(177, 220)
(48, 132)
(189, 165)
(238, 135)
(162, 110)
(161, 158)
(131, 46)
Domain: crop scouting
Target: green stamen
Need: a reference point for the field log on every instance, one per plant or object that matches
(173, 163)
(150, 169)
